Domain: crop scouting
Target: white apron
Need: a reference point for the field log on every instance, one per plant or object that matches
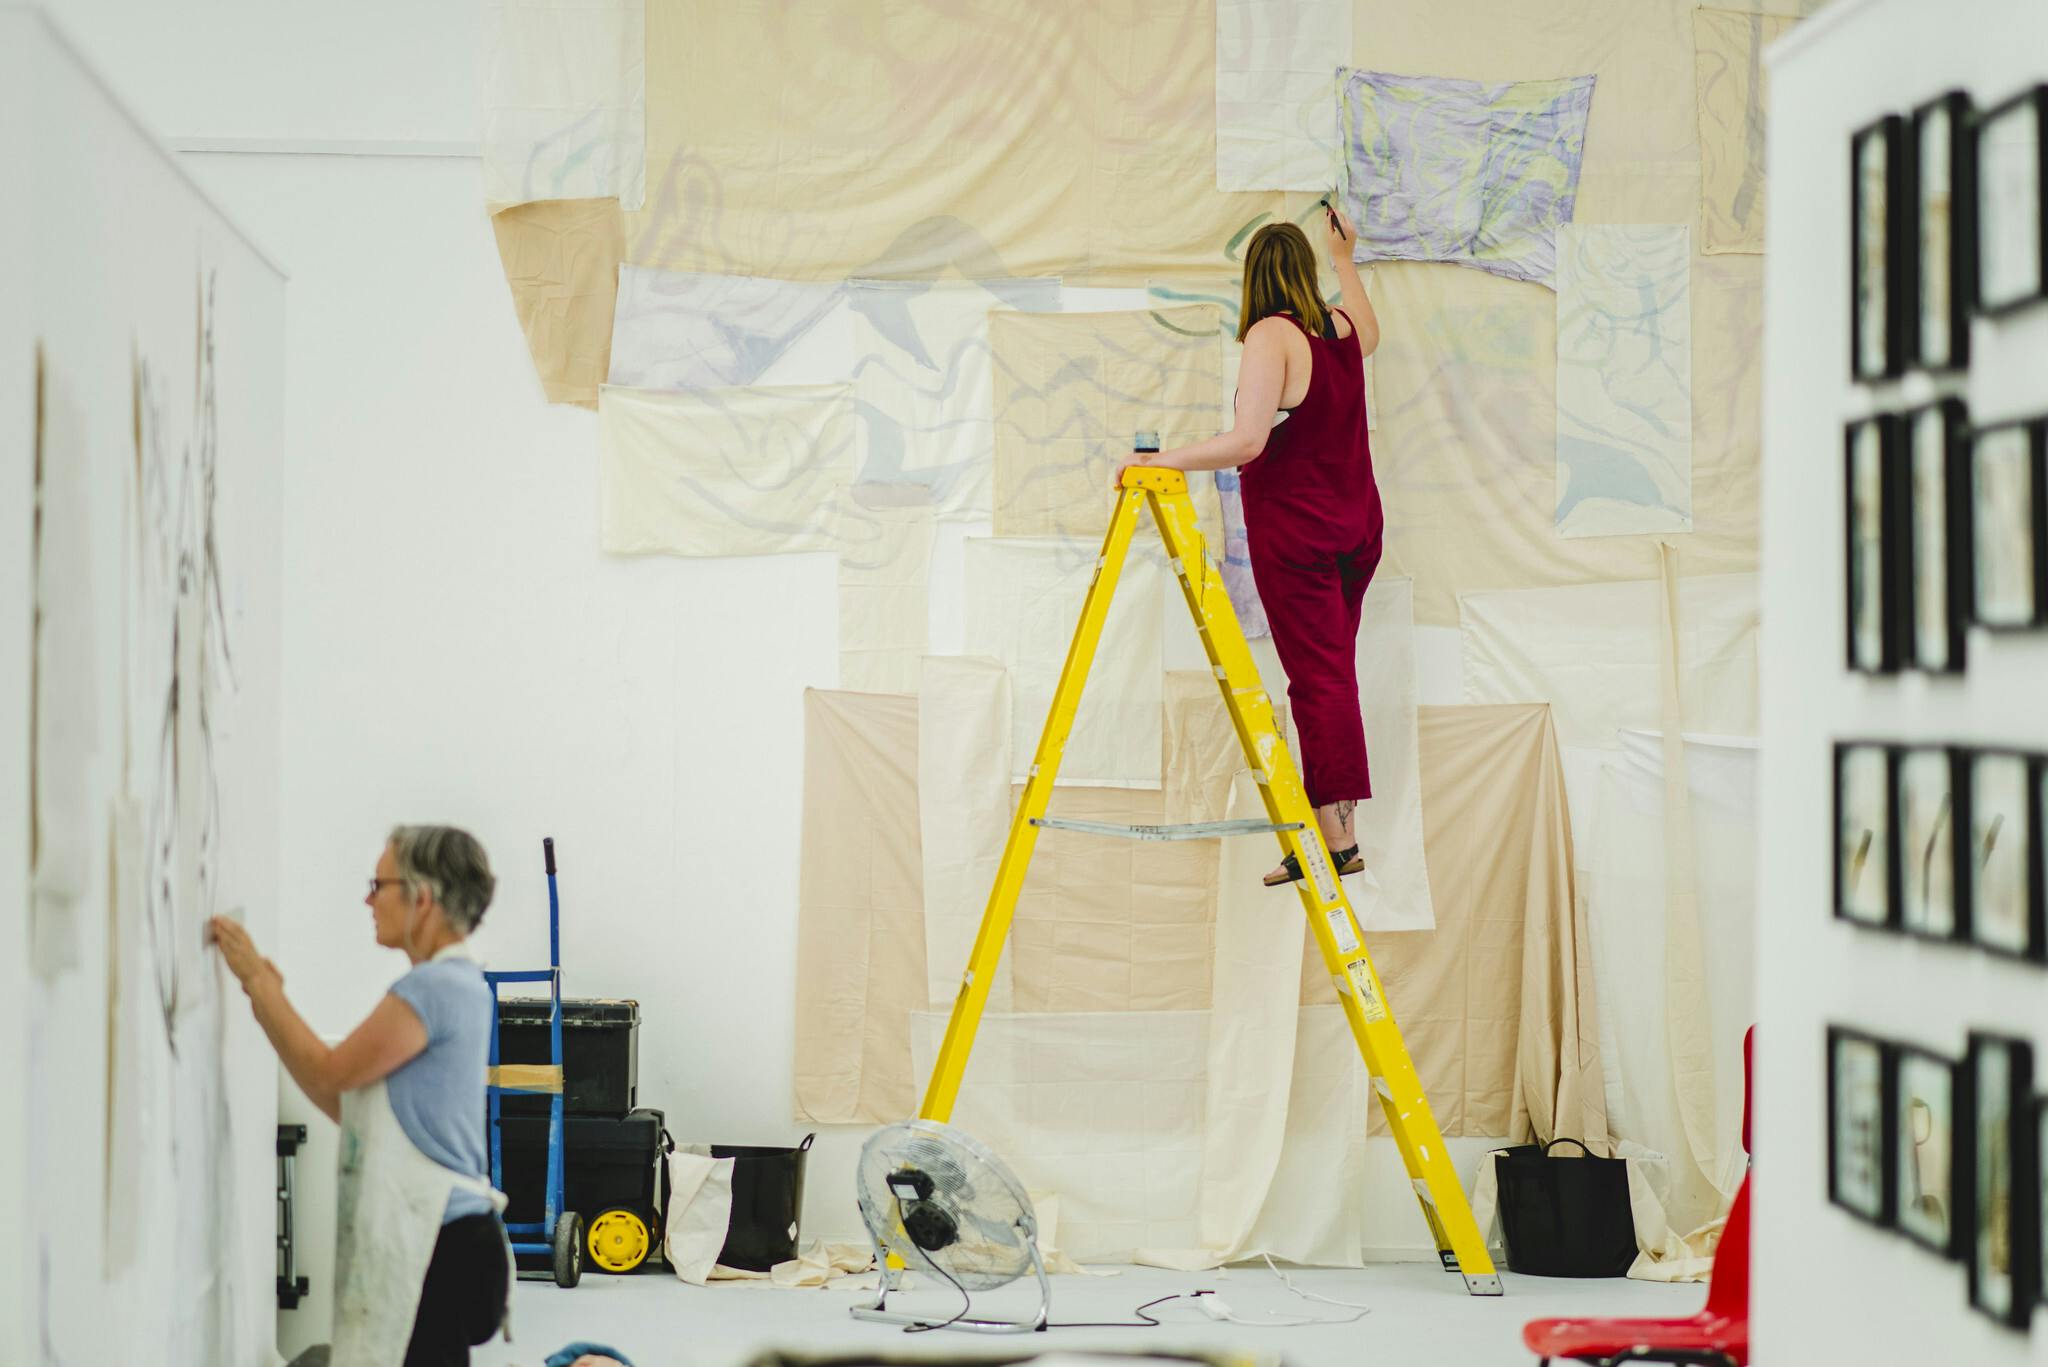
(392, 1198)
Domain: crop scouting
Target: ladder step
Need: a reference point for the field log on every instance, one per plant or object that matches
(1198, 830)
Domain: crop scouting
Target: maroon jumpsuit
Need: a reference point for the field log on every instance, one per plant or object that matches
(1313, 523)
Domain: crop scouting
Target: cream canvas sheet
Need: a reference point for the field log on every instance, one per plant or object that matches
(1592, 652)
(1108, 1111)
(860, 965)
(561, 259)
(964, 805)
(565, 100)
(1685, 1192)
(1734, 104)
(1624, 379)
(1024, 599)
(1498, 1006)
(1276, 93)
(683, 330)
(1105, 924)
(884, 535)
(724, 472)
(1466, 378)
(804, 144)
(1072, 390)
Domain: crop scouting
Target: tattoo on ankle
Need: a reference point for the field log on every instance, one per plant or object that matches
(1345, 809)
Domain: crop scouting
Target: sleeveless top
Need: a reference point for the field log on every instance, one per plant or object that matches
(1312, 489)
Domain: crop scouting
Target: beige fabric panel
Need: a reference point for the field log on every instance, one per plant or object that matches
(1497, 1004)
(885, 551)
(721, 472)
(561, 259)
(1114, 925)
(860, 967)
(1071, 392)
(964, 813)
(1733, 100)
(1467, 387)
(820, 142)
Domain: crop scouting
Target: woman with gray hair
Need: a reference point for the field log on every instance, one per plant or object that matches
(422, 1266)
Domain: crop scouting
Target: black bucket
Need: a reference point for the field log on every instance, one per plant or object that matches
(767, 1204)
(1564, 1217)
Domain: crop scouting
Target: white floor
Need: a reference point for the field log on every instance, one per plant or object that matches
(1419, 1315)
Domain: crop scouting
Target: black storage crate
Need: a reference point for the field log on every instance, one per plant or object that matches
(607, 1161)
(600, 1054)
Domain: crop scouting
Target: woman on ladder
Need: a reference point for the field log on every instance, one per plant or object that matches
(1311, 507)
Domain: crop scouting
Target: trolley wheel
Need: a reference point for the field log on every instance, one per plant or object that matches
(619, 1240)
(568, 1245)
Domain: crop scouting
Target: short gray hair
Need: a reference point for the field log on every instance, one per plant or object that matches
(451, 865)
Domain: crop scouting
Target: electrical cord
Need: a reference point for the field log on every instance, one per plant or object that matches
(1288, 1282)
(1143, 1320)
(966, 1303)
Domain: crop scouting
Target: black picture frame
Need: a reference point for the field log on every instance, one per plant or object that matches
(1866, 860)
(1930, 807)
(2007, 914)
(1873, 568)
(2012, 203)
(1861, 1070)
(1935, 528)
(2039, 1119)
(1944, 259)
(2008, 516)
(1880, 220)
(1927, 1174)
(2003, 1255)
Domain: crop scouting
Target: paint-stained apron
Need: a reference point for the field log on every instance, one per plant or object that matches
(392, 1198)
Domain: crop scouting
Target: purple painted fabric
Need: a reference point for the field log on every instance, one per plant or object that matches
(1471, 172)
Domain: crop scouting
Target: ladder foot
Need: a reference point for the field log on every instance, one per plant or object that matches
(1487, 1285)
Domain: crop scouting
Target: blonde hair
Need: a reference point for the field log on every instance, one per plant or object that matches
(1280, 277)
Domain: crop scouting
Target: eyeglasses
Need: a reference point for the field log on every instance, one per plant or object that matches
(378, 885)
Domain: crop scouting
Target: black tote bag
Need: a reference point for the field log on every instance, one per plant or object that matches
(1564, 1217)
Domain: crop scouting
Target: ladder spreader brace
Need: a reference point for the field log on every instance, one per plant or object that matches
(1289, 816)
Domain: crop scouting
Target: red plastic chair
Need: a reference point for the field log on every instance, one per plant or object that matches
(1716, 1337)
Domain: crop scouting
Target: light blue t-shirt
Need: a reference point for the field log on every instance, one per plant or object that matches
(438, 1095)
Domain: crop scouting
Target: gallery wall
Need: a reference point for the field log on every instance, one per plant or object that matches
(141, 1140)
(1819, 1270)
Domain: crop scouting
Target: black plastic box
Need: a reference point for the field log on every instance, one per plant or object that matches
(607, 1161)
(600, 1053)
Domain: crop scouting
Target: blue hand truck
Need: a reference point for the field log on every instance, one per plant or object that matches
(559, 1233)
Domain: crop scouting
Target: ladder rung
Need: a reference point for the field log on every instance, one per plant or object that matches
(1198, 830)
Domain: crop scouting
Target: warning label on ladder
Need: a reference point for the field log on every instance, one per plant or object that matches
(1369, 1003)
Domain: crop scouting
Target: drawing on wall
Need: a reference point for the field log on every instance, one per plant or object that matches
(2003, 916)
(2013, 203)
(1876, 244)
(1937, 578)
(2006, 516)
(565, 100)
(1480, 173)
(1624, 379)
(1926, 1126)
(1733, 100)
(2001, 1073)
(1927, 844)
(1859, 1137)
(1863, 834)
(1945, 212)
(1872, 642)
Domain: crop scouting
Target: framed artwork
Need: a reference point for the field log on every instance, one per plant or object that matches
(2041, 1209)
(1944, 215)
(1872, 497)
(2004, 1241)
(2008, 525)
(1925, 1096)
(1931, 864)
(1879, 224)
(2012, 171)
(2005, 869)
(1865, 859)
(1938, 535)
(1860, 1134)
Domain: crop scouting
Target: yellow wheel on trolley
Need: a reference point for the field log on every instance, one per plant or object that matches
(619, 1240)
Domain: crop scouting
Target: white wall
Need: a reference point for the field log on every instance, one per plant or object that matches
(113, 242)
(1819, 1274)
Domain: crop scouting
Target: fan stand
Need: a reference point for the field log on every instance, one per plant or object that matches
(879, 1313)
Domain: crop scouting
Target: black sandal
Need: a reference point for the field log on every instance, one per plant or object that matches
(1347, 862)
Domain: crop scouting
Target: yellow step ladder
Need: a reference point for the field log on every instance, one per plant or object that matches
(1290, 817)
